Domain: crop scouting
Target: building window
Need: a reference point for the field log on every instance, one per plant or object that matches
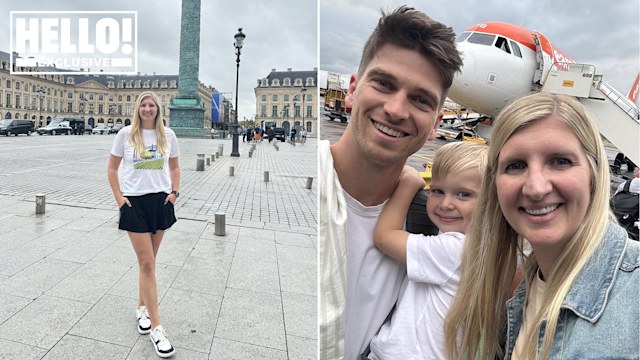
(297, 109)
(17, 86)
(286, 82)
(309, 81)
(275, 98)
(91, 96)
(8, 84)
(128, 109)
(69, 95)
(286, 97)
(274, 111)
(309, 97)
(263, 110)
(264, 98)
(8, 100)
(298, 82)
(275, 82)
(69, 107)
(17, 100)
(100, 107)
(128, 97)
(309, 110)
(309, 126)
(264, 82)
(100, 97)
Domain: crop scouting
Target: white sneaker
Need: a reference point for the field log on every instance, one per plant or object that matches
(161, 343)
(144, 323)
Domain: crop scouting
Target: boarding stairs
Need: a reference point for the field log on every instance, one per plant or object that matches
(615, 115)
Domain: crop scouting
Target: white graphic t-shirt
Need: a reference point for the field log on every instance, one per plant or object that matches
(147, 172)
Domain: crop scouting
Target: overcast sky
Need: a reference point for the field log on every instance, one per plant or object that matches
(601, 33)
(280, 34)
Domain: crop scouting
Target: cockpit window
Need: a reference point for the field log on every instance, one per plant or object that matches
(502, 44)
(462, 37)
(481, 38)
(515, 48)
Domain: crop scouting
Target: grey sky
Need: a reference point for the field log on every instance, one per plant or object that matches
(603, 33)
(280, 34)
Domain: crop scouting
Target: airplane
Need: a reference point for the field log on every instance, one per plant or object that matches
(502, 62)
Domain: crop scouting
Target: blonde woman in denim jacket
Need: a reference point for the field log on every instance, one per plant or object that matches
(547, 184)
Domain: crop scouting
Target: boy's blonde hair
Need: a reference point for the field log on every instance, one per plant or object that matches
(459, 156)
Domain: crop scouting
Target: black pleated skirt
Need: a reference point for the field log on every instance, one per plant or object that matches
(147, 214)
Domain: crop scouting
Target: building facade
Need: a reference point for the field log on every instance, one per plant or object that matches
(98, 99)
(288, 99)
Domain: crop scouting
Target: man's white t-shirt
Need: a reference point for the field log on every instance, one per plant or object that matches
(416, 330)
(148, 172)
(373, 279)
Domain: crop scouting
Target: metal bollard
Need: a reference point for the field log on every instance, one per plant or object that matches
(208, 161)
(266, 176)
(200, 162)
(213, 158)
(309, 182)
(217, 155)
(221, 149)
(250, 153)
(40, 203)
(231, 170)
(220, 224)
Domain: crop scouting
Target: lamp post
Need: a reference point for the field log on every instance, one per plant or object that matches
(238, 45)
(303, 91)
(41, 96)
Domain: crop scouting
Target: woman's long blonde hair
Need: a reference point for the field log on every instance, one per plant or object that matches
(136, 138)
(477, 317)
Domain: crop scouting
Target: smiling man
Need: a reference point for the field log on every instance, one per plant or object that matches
(406, 69)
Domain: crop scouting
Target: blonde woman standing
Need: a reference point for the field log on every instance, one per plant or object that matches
(146, 196)
(547, 181)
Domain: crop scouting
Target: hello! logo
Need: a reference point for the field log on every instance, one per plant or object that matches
(69, 42)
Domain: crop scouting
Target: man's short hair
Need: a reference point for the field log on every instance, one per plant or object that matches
(414, 30)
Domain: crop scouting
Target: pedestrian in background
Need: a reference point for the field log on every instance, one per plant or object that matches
(146, 197)
(244, 133)
(293, 134)
(303, 135)
(547, 185)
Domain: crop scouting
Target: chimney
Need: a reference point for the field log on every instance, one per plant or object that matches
(288, 69)
(273, 70)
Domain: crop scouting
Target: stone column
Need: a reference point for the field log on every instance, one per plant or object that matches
(187, 110)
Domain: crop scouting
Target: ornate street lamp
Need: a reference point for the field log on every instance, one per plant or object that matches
(238, 45)
(41, 96)
(303, 91)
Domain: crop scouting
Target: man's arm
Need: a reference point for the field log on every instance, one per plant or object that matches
(389, 236)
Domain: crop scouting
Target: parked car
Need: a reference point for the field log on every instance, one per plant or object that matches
(100, 129)
(88, 129)
(77, 125)
(278, 133)
(115, 129)
(57, 126)
(10, 127)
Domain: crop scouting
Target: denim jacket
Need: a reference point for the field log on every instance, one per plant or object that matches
(600, 316)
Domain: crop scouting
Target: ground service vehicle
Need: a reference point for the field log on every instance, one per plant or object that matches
(335, 103)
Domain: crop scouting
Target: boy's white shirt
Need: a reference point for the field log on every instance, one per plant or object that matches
(416, 330)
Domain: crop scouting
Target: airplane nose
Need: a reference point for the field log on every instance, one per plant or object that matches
(463, 80)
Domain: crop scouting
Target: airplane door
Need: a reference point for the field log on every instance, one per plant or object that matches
(544, 57)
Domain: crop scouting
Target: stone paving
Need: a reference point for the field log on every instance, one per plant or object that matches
(68, 278)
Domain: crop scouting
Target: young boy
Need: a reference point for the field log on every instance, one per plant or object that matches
(415, 330)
